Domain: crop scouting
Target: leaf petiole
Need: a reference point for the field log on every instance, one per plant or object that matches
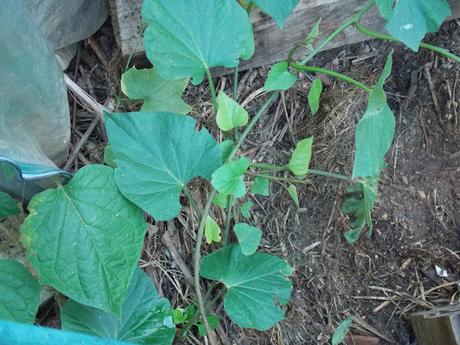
(303, 68)
(357, 17)
(212, 89)
(383, 37)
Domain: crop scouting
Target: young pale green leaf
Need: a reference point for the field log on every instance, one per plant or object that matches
(358, 206)
(212, 231)
(314, 95)
(261, 186)
(213, 322)
(313, 35)
(181, 316)
(185, 38)
(85, 239)
(20, 295)
(8, 206)
(254, 285)
(341, 331)
(300, 159)
(221, 200)
(279, 10)
(385, 7)
(145, 317)
(109, 158)
(411, 20)
(226, 148)
(279, 78)
(292, 190)
(228, 179)
(375, 131)
(157, 154)
(230, 114)
(159, 95)
(248, 237)
(246, 208)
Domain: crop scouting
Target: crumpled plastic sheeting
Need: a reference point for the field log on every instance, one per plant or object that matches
(66, 22)
(34, 110)
(12, 333)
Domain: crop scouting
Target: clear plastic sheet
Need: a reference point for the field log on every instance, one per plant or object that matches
(34, 111)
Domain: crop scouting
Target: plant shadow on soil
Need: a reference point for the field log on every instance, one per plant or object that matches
(380, 280)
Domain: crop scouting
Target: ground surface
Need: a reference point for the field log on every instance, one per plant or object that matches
(381, 280)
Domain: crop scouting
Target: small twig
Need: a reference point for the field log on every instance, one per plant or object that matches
(196, 268)
(85, 98)
(99, 53)
(177, 258)
(81, 142)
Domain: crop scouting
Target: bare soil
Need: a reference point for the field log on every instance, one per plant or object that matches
(381, 280)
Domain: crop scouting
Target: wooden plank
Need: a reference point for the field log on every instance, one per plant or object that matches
(272, 44)
(440, 326)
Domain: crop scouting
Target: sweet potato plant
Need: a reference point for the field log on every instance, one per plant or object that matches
(84, 239)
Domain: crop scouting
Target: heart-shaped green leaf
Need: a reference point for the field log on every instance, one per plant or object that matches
(375, 131)
(212, 231)
(279, 78)
(185, 38)
(145, 317)
(226, 148)
(411, 20)
(221, 200)
(230, 114)
(157, 154)
(341, 331)
(248, 237)
(159, 95)
(228, 179)
(314, 95)
(85, 239)
(261, 186)
(254, 285)
(8, 206)
(277, 9)
(246, 208)
(300, 159)
(20, 293)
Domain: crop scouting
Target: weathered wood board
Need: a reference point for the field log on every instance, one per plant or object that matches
(272, 44)
(440, 326)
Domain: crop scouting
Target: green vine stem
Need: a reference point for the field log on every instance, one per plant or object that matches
(356, 18)
(312, 69)
(329, 174)
(212, 89)
(192, 202)
(277, 178)
(196, 266)
(377, 35)
(277, 168)
(228, 220)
